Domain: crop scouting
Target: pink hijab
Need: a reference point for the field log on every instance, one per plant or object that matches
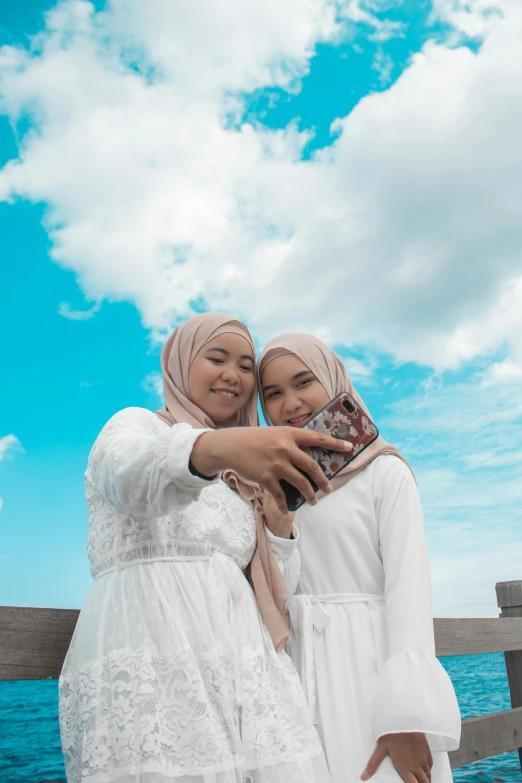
(331, 373)
(176, 358)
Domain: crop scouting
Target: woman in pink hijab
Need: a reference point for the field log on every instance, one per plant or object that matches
(363, 642)
(172, 674)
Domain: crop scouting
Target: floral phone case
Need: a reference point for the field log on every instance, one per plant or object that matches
(342, 418)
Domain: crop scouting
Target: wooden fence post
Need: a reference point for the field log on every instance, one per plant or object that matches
(509, 599)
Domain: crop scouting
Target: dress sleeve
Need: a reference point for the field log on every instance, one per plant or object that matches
(288, 556)
(414, 692)
(141, 465)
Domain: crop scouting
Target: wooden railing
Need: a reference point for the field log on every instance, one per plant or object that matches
(498, 732)
(33, 643)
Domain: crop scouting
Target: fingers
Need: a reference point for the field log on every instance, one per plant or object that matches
(272, 485)
(290, 463)
(408, 777)
(374, 762)
(304, 463)
(414, 773)
(301, 482)
(419, 776)
(319, 441)
(426, 767)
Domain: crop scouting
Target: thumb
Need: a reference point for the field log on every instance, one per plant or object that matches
(378, 755)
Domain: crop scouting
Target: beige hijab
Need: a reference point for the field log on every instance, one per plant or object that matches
(331, 373)
(176, 358)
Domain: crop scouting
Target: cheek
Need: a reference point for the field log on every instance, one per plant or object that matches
(322, 399)
(200, 378)
(249, 382)
(273, 412)
(316, 398)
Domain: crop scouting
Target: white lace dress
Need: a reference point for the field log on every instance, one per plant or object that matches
(171, 675)
(363, 630)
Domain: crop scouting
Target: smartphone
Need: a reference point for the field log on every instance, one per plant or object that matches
(342, 418)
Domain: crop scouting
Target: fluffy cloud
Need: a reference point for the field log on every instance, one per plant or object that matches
(77, 315)
(9, 443)
(404, 234)
(470, 18)
(153, 383)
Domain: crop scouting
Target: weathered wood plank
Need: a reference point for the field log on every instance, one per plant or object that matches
(39, 638)
(33, 649)
(509, 597)
(468, 636)
(509, 593)
(489, 735)
(37, 620)
(34, 641)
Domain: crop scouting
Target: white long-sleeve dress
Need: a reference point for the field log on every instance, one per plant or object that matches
(171, 674)
(363, 631)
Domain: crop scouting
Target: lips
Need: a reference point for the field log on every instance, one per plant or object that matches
(226, 394)
(297, 421)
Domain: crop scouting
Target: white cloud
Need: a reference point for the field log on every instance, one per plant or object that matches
(1, 506)
(153, 382)
(405, 234)
(77, 315)
(9, 443)
(468, 18)
(358, 370)
(383, 64)
(503, 372)
(369, 14)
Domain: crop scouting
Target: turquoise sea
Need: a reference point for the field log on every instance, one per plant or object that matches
(30, 740)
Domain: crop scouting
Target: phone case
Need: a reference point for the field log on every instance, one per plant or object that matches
(344, 419)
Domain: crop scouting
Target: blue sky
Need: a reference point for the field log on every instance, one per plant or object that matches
(353, 177)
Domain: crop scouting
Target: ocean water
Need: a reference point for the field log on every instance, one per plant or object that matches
(30, 741)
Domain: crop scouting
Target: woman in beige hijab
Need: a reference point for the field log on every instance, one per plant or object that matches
(363, 644)
(171, 674)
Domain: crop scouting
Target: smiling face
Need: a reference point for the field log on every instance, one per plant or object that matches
(291, 392)
(221, 378)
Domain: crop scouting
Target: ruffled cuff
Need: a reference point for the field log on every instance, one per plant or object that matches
(288, 558)
(415, 693)
(283, 548)
(182, 438)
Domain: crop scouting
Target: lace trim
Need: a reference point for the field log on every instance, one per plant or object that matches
(218, 521)
(180, 713)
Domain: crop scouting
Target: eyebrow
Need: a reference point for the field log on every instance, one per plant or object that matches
(227, 353)
(293, 378)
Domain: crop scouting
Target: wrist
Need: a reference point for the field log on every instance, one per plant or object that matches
(280, 531)
(207, 456)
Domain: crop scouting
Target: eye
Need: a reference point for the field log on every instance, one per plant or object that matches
(215, 360)
(305, 382)
(272, 395)
(246, 368)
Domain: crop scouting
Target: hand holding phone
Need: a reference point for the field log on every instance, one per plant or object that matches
(345, 420)
(265, 456)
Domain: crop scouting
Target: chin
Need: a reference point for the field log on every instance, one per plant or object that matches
(223, 418)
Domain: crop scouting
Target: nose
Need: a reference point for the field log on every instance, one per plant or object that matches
(230, 374)
(292, 403)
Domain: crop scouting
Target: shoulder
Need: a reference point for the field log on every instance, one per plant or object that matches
(138, 417)
(133, 420)
(389, 471)
(390, 465)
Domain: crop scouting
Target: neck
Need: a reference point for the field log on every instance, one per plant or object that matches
(232, 422)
